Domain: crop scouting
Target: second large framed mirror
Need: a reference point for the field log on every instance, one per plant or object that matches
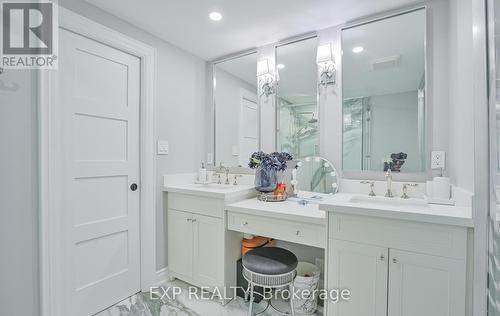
(383, 90)
(236, 110)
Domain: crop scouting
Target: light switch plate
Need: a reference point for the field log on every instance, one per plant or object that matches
(438, 160)
(162, 147)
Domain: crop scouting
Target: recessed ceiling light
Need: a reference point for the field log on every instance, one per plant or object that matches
(357, 49)
(215, 16)
(280, 66)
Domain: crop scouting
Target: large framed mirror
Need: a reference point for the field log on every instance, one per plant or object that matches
(236, 110)
(297, 124)
(384, 94)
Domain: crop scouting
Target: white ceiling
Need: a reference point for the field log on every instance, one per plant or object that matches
(245, 24)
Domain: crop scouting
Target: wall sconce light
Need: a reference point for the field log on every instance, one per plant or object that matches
(265, 77)
(326, 64)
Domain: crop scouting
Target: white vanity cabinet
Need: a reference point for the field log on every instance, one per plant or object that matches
(396, 267)
(196, 239)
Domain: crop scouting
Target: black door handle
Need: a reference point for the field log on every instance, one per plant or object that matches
(133, 187)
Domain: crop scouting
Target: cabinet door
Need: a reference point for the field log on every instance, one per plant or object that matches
(425, 285)
(180, 242)
(363, 270)
(207, 254)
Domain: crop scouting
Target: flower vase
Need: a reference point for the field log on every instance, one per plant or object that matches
(266, 180)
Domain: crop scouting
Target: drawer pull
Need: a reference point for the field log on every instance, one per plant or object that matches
(193, 220)
(245, 223)
(297, 233)
(382, 258)
(394, 260)
(189, 219)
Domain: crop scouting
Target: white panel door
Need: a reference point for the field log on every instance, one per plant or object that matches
(98, 113)
(363, 270)
(180, 242)
(208, 253)
(425, 285)
(249, 124)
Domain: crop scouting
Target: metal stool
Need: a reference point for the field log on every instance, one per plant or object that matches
(269, 268)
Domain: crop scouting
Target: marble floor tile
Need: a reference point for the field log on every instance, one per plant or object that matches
(142, 304)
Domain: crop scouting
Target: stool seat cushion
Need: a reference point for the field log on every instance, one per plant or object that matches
(270, 260)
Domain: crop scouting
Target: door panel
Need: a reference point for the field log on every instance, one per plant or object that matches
(208, 267)
(425, 285)
(363, 270)
(248, 132)
(180, 242)
(98, 113)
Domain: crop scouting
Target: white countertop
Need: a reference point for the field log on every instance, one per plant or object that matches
(396, 208)
(289, 209)
(221, 191)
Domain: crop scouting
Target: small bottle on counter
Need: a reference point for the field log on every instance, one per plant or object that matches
(202, 173)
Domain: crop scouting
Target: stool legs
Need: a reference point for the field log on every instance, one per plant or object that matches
(250, 307)
(291, 300)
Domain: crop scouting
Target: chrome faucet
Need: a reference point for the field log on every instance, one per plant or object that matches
(372, 187)
(388, 178)
(227, 176)
(219, 171)
(405, 189)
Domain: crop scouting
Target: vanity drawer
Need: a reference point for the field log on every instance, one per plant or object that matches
(434, 239)
(302, 233)
(196, 204)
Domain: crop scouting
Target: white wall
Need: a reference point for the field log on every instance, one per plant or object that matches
(19, 277)
(461, 111)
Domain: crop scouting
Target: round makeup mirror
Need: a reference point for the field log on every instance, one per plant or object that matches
(315, 174)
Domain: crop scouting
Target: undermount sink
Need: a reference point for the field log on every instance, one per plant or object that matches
(213, 186)
(390, 202)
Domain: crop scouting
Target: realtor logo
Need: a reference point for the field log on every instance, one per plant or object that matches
(29, 35)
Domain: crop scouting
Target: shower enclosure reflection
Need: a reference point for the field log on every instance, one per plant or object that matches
(297, 110)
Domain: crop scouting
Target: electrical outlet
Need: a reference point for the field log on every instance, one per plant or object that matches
(162, 147)
(438, 160)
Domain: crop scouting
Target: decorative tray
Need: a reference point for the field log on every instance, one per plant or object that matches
(271, 197)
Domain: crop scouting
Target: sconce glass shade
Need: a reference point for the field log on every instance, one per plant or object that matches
(263, 68)
(326, 64)
(325, 54)
(265, 76)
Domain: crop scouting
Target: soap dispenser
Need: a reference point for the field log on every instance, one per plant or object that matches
(202, 173)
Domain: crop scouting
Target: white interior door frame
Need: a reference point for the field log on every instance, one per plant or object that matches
(50, 234)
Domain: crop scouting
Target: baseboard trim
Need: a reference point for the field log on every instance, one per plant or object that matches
(162, 276)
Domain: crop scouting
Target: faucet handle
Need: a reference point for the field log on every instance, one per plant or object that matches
(236, 176)
(405, 189)
(372, 187)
